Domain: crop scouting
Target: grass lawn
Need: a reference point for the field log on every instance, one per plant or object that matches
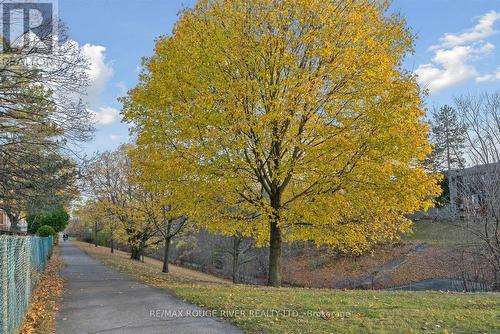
(297, 310)
(436, 233)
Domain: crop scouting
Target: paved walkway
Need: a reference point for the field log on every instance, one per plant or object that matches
(99, 299)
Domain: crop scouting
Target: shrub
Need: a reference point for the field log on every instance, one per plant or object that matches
(56, 217)
(45, 231)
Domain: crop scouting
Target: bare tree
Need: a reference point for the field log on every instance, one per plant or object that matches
(241, 253)
(39, 78)
(238, 249)
(478, 187)
(42, 116)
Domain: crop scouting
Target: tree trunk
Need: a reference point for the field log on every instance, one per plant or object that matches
(274, 278)
(95, 235)
(166, 251)
(275, 255)
(14, 220)
(135, 253)
(112, 244)
(236, 255)
(496, 279)
(496, 285)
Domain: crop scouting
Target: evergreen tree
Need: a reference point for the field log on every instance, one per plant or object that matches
(447, 138)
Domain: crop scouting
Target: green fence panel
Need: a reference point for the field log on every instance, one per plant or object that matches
(22, 260)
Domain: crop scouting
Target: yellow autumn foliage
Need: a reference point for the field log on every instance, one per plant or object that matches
(287, 119)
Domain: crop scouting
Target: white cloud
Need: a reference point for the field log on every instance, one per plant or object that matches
(452, 59)
(489, 77)
(482, 30)
(105, 115)
(115, 137)
(99, 71)
(451, 66)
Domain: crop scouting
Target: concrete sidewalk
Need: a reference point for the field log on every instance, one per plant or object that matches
(99, 299)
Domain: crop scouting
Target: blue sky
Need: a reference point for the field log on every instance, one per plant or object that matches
(457, 49)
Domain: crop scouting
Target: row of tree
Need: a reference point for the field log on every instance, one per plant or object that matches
(131, 207)
(129, 197)
(41, 117)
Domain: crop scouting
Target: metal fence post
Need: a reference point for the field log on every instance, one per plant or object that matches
(28, 270)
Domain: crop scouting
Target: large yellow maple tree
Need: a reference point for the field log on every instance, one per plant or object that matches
(288, 120)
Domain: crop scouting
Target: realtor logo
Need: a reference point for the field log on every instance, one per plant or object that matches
(28, 26)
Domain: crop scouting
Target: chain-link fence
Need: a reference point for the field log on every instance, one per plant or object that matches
(22, 260)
